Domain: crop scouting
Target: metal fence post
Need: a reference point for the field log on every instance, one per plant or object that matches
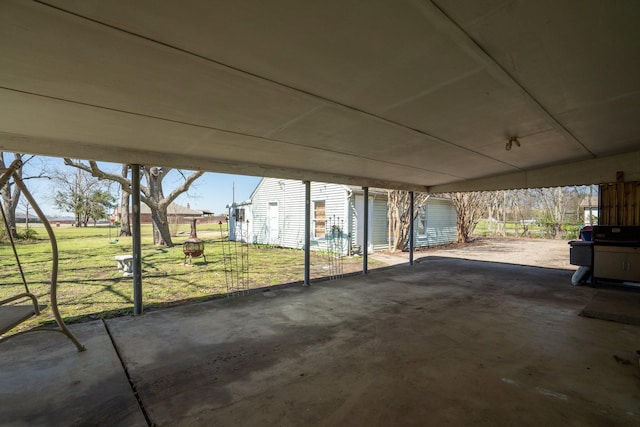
(307, 230)
(365, 238)
(137, 252)
(411, 207)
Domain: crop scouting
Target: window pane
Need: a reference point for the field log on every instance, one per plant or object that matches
(319, 218)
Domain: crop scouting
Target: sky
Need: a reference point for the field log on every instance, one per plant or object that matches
(212, 191)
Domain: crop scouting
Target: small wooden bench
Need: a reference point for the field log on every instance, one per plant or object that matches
(124, 264)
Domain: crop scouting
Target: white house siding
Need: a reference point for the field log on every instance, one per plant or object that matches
(440, 223)
(240, 230)
(289, 196)
(379, 223)
(353, 220)
(335, 198)
(343, 209)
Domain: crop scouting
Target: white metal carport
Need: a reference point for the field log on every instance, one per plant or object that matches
(412, 94)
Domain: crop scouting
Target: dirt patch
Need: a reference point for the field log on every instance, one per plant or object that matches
(536, 252)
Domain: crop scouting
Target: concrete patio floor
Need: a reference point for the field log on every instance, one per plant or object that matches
(445, 342)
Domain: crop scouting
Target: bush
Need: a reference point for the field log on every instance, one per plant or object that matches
(28, 234)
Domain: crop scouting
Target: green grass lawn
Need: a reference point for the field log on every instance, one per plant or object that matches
(90, 286)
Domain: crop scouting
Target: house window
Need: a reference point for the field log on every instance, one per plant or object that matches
(319, 219)
(239, 214)
(422, 221)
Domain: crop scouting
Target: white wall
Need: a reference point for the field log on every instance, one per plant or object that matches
(440, 224)
(240, 230)
(290, 195)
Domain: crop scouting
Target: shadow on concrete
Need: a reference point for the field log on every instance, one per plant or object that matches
(445, 342)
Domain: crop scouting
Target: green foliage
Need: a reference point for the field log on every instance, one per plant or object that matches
(82, 195)
(98, 204)
(28, 234)
(540, 229)
(92, 205)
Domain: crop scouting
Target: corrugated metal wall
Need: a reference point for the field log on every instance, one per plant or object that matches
(619, 204)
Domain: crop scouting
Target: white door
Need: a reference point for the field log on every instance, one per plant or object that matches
(273, 223)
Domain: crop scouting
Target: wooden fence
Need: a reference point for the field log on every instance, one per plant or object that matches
(619, 204)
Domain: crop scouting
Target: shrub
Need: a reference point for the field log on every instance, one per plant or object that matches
(28, 234)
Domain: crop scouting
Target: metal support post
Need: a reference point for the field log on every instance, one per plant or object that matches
(411, 236)
(307, 230)
(365, 230)
(137, 252)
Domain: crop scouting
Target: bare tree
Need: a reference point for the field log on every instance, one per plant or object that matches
(11, 193)
(10, 196)
(398, 215)
(521, 208)
(82, 194)
(470, 207)
(495, 201)
(556, 203)
(152, 193)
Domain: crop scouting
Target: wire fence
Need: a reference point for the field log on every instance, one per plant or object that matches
(235, 256)
(336, 245)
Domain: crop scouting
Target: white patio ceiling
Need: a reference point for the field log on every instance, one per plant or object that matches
(411, 94)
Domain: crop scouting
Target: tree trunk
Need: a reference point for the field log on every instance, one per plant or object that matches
(469, 208)
(399, 217)
(10, 210)
(161, 233)
(11, 197)
(125, 224)
(158, 206)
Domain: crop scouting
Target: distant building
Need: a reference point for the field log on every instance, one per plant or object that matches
(589, 206)
(176, 214)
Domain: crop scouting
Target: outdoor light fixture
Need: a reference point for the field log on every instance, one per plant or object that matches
(512, 140)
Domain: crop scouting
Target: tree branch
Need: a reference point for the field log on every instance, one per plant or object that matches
(95, 171)
(184, 186)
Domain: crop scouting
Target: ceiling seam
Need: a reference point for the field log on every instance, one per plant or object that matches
(274, 82)
(506, 76)
(227, 131)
